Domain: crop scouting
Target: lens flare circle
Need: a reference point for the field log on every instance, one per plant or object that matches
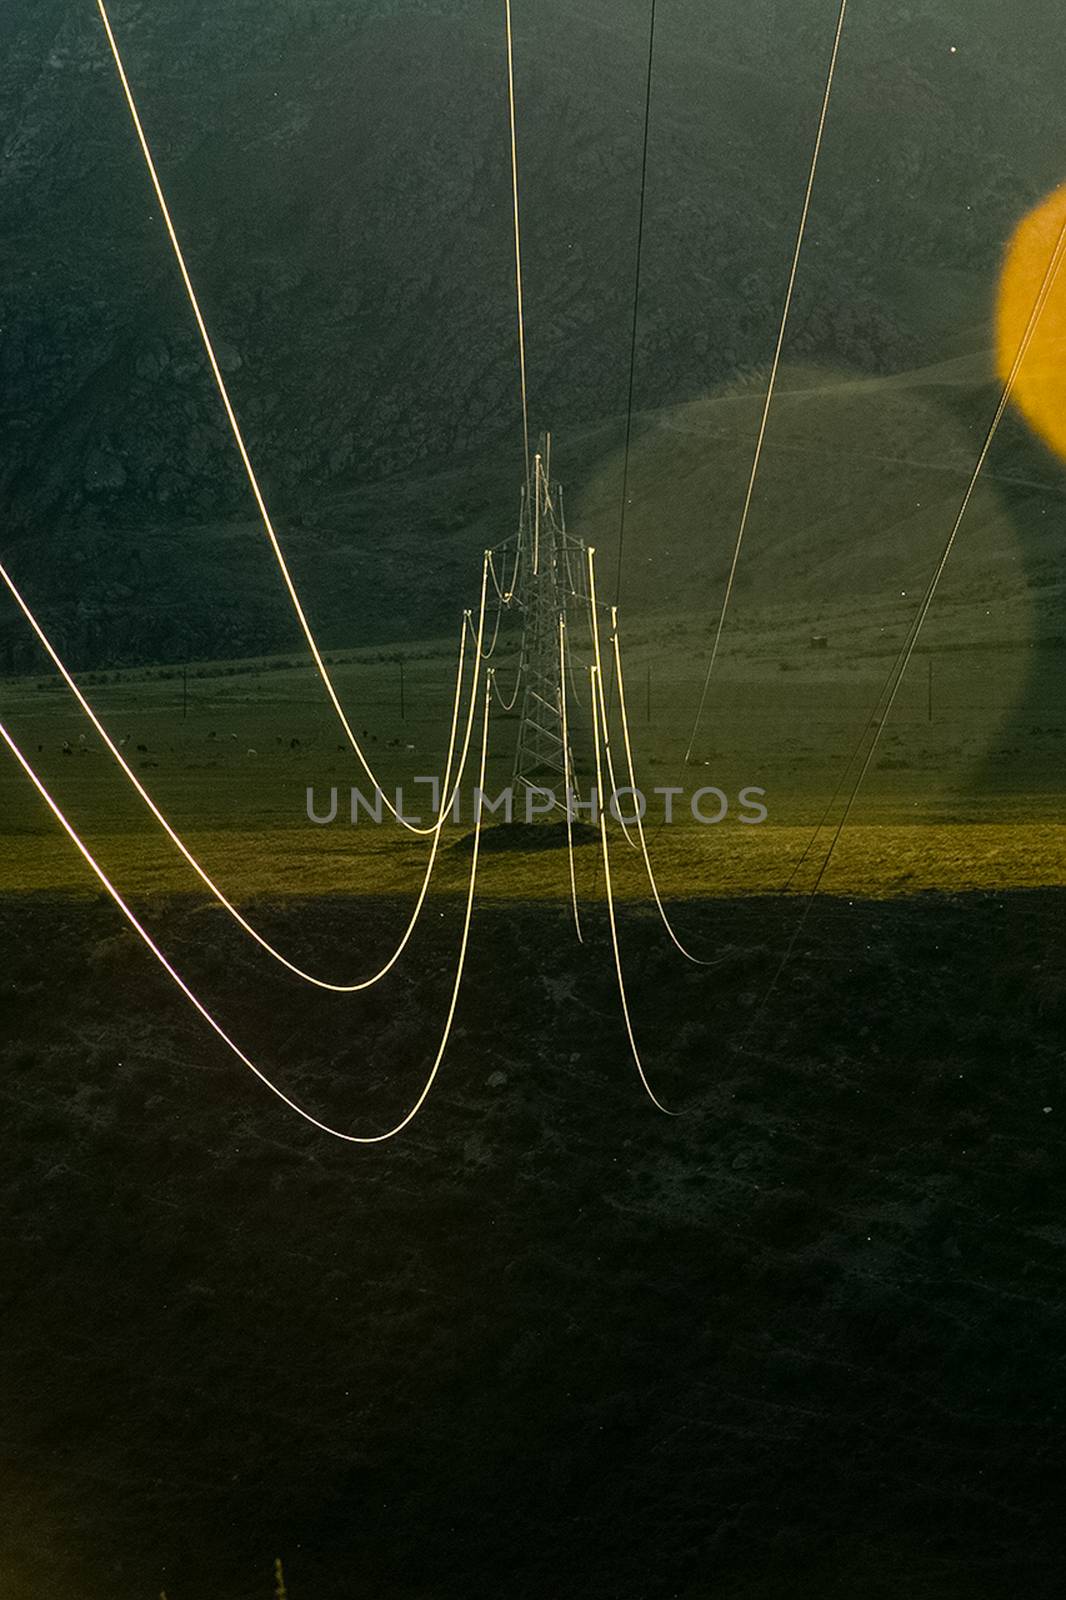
(1039, 390)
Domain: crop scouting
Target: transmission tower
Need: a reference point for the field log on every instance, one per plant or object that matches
(550, 589)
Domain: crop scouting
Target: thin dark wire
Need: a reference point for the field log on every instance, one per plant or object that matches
(517, 245)
(873, 717)
(775, 368)
(771, 387)
(910, 643)
(636, 305)
(634, 329)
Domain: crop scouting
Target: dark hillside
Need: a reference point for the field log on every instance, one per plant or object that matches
(351, 238)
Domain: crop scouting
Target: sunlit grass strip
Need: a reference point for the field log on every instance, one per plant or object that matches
(197, 1004)
(691, 863)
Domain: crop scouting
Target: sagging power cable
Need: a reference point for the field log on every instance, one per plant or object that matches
(597, 701)
(594, 628)
(518, 250)
(235, 427)
(198, 1005)
(701, 961)
(775, 365)
(635, 320)
(447, 794)
(568, 778)
(876, 725)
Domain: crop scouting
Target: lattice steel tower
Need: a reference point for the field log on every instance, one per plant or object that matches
(549, 587)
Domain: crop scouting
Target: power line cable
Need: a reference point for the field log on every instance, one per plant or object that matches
(701, 961)
(774, 368)
(637, 273)
(198, 1005)
(568, 779)
(910, 642)
(597, 700)
(518, 248)
(594, 626)
(447, 795)
(231, 415)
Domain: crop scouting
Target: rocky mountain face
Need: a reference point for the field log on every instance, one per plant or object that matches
(339, 173)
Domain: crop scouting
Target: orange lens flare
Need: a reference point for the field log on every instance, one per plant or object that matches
(1039, 389)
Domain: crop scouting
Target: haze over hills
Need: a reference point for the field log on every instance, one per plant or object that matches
(352, 245)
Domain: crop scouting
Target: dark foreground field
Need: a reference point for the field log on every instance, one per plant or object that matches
(806, 1341)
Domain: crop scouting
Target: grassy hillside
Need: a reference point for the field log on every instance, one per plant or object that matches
(352, 243)
(860, 484)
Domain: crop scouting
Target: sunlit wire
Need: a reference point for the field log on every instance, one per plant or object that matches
(576, 688)
(486, 654)
(597, 701)
(569, 783)
(635, 322)
(774, 368)
(235, 426)
(899, 668)
(509, 704)
(594, 625)
(507, 595)
(517, 245)
(198, 1005)
(447, 796)
(620, 681)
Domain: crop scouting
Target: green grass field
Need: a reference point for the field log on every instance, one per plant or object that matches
(860, 481)
(964, 798)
